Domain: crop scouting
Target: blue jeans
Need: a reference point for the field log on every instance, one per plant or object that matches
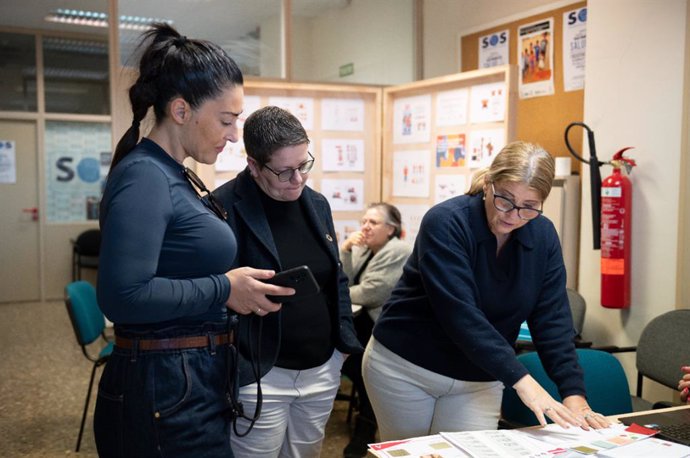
(168, 403)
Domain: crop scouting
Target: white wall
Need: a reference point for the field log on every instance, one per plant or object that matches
(633, 97)
(376, 36)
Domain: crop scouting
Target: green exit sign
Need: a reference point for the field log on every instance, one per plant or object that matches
(347, 69)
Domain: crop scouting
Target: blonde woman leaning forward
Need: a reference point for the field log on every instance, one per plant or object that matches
(442, 349)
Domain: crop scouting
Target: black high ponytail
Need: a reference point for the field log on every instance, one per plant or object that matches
(173, 65)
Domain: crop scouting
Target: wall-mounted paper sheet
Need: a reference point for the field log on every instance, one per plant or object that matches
(451, 107)
(344, 195)
(488, 103)
(301, 107)
(342, 114)
(411, 173)
(412, 119)
(447, 186)
(342, 155)
(233, 158)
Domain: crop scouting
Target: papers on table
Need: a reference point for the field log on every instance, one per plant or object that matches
(427, 446)
(551, 441)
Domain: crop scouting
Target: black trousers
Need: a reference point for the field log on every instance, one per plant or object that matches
(352, 367)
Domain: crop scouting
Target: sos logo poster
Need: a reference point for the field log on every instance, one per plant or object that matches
(493, 49)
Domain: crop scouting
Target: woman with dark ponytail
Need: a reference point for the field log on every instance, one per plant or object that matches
(168, 388)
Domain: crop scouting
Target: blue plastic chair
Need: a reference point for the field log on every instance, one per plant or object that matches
(607, 387)
(89, 325)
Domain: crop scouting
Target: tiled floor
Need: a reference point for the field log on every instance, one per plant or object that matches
(43, 380)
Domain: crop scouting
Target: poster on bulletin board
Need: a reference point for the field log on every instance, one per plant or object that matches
(574, 48)
(535, 51)
(493, 49)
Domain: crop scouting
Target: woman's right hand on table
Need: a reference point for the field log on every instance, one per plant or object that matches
(542, 404)
(248, 291)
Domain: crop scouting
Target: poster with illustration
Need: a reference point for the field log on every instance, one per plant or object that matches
(574, 48)
(535, 57)
(448, 186)
(488, 103)
(451, 107)
(345, 227)
(342, 114)
(450, 150)
(342, 155)
(484, 145)
(344, 195)
(411, 215)
(411, 173)
(301, 107)
(412, 119)
(77, 161)
(233, 158)
(251, 104)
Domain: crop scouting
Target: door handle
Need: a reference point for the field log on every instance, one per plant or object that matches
(33, 211)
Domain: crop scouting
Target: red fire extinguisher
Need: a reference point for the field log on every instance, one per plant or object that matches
(616, 228)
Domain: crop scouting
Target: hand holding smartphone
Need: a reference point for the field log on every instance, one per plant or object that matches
(299, 278)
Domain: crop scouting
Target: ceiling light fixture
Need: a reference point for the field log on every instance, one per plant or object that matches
(95, 19)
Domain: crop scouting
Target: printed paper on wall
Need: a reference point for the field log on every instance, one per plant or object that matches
(344, 195)
(342, 155)
(451, 107)
(484, 146)
(301, 107)
(411, 173)
(450, 150)
(342, 114)
(488, 103)
(412, 119)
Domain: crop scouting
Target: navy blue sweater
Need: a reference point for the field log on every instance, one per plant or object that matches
(163, 253)
(457, 308)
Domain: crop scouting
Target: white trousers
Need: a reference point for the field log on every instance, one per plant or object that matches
(296, 407)
(410, 401)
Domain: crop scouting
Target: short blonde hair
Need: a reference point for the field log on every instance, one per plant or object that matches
(518, 162)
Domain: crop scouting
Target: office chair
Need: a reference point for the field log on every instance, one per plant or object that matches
(578, 308)
(85, 250)
(605, 382)
(663, 348)
(88, 324)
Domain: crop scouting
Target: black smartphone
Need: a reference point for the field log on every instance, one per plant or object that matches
(300, 278)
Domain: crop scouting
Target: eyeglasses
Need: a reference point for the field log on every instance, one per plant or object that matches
(505, 205)
(304, 168)
(209, 200)
(371, 222)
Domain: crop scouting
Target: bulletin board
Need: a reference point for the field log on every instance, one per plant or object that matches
(343, 123)
(542, 119)
(437, 132)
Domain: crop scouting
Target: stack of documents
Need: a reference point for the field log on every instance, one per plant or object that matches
(551, 441)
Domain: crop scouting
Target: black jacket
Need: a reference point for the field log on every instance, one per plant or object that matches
(256, 248)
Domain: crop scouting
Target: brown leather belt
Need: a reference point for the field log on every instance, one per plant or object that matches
(176, 343)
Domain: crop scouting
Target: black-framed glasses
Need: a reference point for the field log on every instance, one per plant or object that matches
(505, 205)
(304, 168)
(209, 200)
